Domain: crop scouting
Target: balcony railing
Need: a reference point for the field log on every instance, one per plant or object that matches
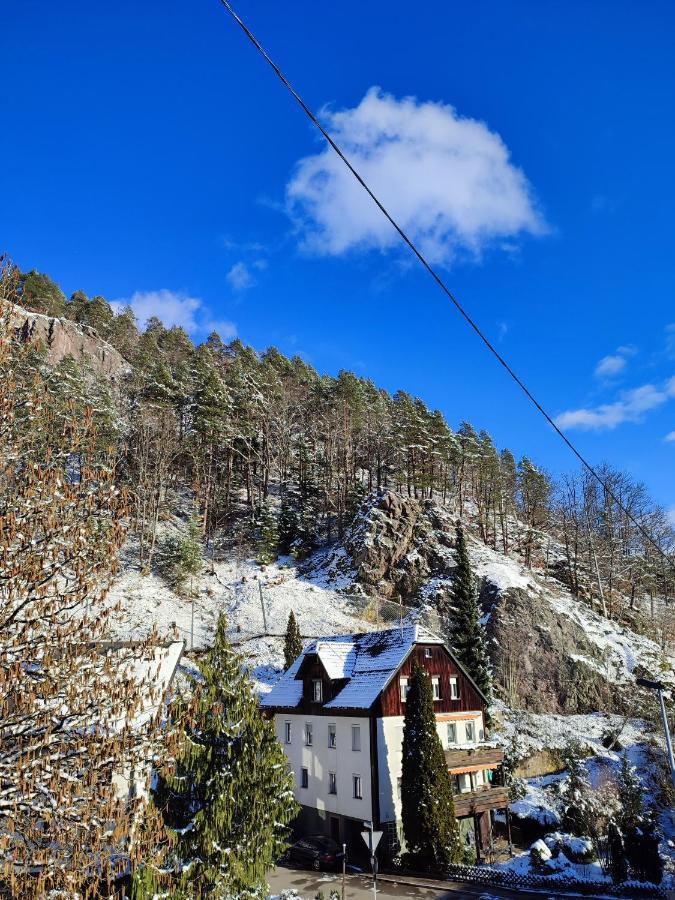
(483, 798)
(484, 756)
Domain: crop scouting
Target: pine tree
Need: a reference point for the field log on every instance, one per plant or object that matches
(268, 534)
(578, 816)
(428, 810)
(630, 797)
(289, 519)
(180, 559)
(231, 793)
(468, 635)
(638, 826)
(292, 642)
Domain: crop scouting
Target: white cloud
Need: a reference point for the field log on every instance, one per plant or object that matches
(239, 277)
(610, 365)
(614, 363)
(174, 308)
(448, 180)
(631, 407)
(670, 438)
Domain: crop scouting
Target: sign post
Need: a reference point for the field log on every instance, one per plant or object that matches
(344, 868)
(372, 839)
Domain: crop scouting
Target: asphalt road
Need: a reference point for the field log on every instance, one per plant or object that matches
(360, 887)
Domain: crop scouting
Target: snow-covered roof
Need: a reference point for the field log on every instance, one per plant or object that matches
(366, 662)
(152, 669)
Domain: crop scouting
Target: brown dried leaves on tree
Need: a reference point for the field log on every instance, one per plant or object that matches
(69, 704)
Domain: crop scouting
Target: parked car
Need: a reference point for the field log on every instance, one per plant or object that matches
(316, 851)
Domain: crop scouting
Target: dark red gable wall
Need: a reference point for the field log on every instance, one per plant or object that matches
(441, 664)
(312, 669)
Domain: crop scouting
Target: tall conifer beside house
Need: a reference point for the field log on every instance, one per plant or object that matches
(428, 812)
(292, 642)
(230, 796)
(467, 633)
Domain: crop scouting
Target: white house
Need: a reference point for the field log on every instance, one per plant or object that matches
(339, 713)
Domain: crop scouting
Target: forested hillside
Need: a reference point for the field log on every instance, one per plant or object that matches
(277, 455)
(251, 486)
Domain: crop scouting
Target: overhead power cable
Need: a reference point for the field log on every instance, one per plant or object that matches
(439, 281)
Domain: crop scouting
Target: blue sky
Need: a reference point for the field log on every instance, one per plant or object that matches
(148, 154)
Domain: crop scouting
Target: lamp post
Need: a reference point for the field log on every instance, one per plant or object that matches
(659, 687)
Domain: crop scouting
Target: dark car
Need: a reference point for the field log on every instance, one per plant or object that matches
(317, 852)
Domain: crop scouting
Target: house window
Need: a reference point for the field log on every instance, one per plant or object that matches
(470, 732)
(436, 687)
(308, 734)
(332, 742)
(317, 692)
(454, 689)
(304, 778)
(452, 733)
(356, 784)
(427, 652)
(287, 732)
(404, 688)
(332, 783)
(356, 737)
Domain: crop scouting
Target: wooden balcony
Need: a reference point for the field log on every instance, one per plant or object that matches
(479, 757)
(480, 800)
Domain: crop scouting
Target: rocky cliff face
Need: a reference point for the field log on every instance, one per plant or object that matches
(61, 338)
(396, 543)
(550, 651)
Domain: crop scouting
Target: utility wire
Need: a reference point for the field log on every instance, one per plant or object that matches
(439, 281)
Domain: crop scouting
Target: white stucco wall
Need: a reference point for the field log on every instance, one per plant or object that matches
(320, 759)
(389, 754)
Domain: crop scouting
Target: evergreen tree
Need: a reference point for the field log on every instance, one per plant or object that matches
(289, 519)
(428, 810)
(230, 797)
(639, 826)
(38, 292)
(268, 534)
(630, 797)
(579, 814)
(179, 559)
(468, 635)
(292, 642)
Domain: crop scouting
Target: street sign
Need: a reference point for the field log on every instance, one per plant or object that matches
(373, 836)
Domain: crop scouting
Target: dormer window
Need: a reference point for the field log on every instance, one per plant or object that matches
(317, 690)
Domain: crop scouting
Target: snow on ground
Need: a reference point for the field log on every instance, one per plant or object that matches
(240, 589)
(500, 570)
(543, 802)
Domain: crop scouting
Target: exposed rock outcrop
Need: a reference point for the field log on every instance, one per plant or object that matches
(62, 337)
(543, 661)
(397, 542)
